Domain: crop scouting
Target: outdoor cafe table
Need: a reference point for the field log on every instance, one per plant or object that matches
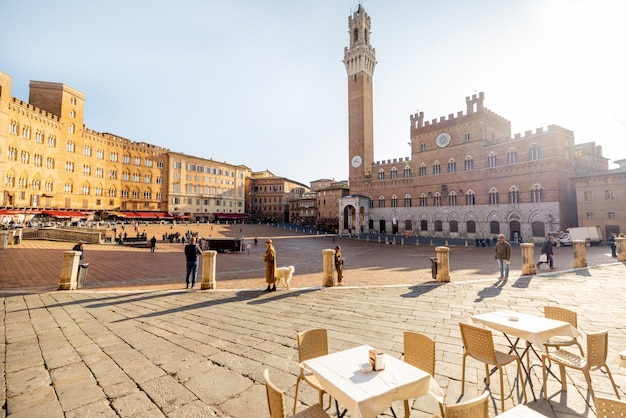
(366, 395)
(534, 329)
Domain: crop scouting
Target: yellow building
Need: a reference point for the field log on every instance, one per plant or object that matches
(51, 164)
(206, 190)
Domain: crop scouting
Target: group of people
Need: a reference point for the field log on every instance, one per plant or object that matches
(270, 265)
(503, 255)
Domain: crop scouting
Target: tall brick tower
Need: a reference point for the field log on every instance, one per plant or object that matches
(360, 60)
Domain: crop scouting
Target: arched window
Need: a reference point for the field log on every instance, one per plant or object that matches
(437, 199)
(471, 227)
(394, 173)
(492, 160)
(494, 227)
(536, 194)
(511, 156)
(407, 172)
(454, 226)
(470, 198)
(438, 226)
(452, 199)
(381, 174)
(424, 225)
(394, 201)
(493, 197)
(534, 153)
(381, 202)
(407, 201)
(436, 168)
(423, 200)
(422, 170)
(451, 166)
(514, 195)
(469, 163)
(371, 200)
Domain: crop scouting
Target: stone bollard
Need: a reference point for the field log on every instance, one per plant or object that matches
(620, 248)
(443, 264)
(328, 258)
(4, 239)
(528, 258)
(209, 261)
(580, 257)
(69, 270)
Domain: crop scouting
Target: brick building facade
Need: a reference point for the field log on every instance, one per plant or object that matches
(467, 175)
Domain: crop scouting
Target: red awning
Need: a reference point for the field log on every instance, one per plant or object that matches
(230, 215)
(149, 215)
(163, 215)
(65, 214)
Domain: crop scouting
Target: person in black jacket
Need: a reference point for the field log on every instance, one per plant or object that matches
(192, 251)
(547, 250)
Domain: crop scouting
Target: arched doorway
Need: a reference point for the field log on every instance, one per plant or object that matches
(382, 228)
(516, 231)
(349, 218)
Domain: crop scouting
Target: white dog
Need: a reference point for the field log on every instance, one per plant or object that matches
(284, 275)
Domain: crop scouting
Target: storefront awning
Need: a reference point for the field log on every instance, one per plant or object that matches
(64, 214)
(230, 215)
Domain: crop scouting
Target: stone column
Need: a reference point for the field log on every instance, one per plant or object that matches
(209, 259)
(528, 258)
(4, 239)
(620, 244)
(69, 270)
(580, 257)
(328, 258)
(443, 264)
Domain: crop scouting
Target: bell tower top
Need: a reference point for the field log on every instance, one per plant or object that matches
(360, 56)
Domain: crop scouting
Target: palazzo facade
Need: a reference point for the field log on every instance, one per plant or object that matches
(467, 176)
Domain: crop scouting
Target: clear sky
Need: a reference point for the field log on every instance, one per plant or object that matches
(262, 83)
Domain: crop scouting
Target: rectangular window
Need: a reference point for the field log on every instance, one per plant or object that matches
(609, 195)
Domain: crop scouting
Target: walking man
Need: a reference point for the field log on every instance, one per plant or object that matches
(547, 250)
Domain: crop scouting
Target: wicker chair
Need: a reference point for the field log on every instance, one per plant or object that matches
(478, 344)
(565, 315)
(312, 343)
(419, 351)
(474, 408)
(597, 346)
(609, 408)
(276, 402)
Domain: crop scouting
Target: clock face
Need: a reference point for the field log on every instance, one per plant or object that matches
(443, 139)
(356, 161)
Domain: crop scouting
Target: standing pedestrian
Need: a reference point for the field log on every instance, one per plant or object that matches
(339, 265)
(153, 241)
(192, 251)
(546, 249)
(270, 266)
(503, 255)
(79, 247)
(612, 245)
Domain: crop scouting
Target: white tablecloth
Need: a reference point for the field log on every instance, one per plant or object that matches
(369, 394)
(534, 329)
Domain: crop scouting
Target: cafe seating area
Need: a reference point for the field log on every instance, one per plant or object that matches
(365, 382)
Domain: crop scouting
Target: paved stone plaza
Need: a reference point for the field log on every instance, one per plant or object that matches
(134, 343)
